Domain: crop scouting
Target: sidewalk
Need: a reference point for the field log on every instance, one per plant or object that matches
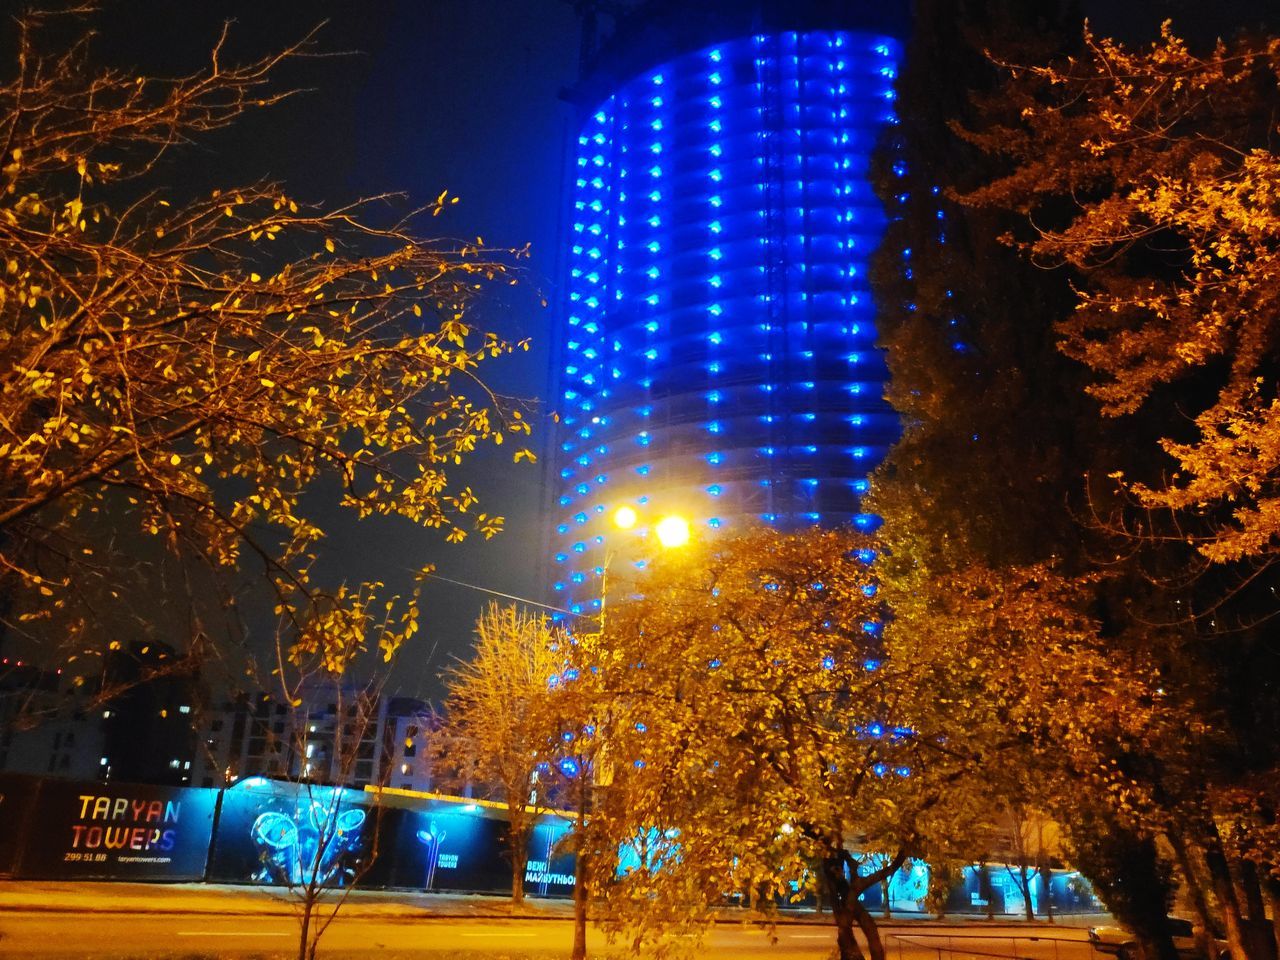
(238, 900)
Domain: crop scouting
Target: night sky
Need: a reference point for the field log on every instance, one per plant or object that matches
(460, 95)
(448, 94)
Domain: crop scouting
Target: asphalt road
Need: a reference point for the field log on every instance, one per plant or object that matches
(53, 934)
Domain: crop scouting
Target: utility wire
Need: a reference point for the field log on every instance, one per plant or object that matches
(499, 593)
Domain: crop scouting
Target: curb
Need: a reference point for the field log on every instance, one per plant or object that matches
(281, 912)
(413, 913)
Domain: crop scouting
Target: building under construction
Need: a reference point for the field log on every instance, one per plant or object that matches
(716, 345)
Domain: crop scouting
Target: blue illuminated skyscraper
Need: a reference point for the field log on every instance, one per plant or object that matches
(716, 348)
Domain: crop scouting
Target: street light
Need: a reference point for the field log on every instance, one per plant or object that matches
(672, 531)
(624, 518)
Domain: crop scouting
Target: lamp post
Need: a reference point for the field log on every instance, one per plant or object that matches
(672, 532)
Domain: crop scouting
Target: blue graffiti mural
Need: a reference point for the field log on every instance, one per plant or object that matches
(318, 843)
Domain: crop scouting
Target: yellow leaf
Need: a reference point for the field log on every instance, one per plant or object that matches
(328, 244)
(175, 459)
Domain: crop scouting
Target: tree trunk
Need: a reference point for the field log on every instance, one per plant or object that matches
(1271, 890)
(867, 923)
(579, 912)
(1024, 881)
(838, 887)
(1225, 892)
(886, 908)
(518, 864)
(580, 878)
(870, 931)
(1046, 882)
(846, 943)
(1207, 926)
(519, 830)
(308, 904)
(986, 889)
(942, 882)
(1252, 890)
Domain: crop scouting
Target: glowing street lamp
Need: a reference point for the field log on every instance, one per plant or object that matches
(624, 518)
(672, 531)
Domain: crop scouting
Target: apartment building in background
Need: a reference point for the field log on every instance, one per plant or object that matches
(336, 735)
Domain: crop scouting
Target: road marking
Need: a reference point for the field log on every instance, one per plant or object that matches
(231, 933)
(496, 933)
(810, 936)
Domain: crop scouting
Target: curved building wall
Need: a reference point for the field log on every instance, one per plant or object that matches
(717, 343)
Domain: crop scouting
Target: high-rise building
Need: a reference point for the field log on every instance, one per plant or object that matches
(717, 355)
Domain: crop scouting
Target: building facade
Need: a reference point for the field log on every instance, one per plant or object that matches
(131, 722)
(143, 721)
(335, 736)
(48, 726)
(717, 344)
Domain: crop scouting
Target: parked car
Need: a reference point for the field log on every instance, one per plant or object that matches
(1119, 942)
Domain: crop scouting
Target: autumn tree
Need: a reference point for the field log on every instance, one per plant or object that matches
(1031, 838)
(1005, 460)
(987, 477)
(180, 367)
(339, 658)
(497, 730)
(759, 720)
(580, 765)
(1151, 174)
(1145, 174)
